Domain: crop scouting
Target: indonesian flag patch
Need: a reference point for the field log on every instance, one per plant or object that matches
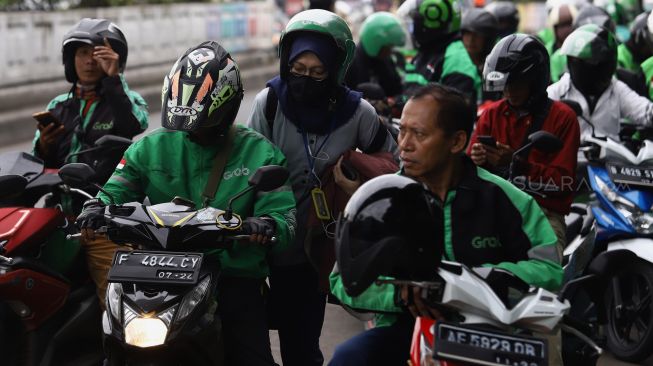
(121, 164)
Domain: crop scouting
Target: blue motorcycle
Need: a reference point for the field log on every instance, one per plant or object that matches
(620, 177)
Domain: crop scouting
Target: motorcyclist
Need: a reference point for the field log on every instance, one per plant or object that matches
(479, 29)
(373, 60)
(560, 20)
(588, 14)
(507, 16)
(313, 119)
(639, 47)
(441, 56)
(515, 67)
(99, 102)
(200, 100)
(592, 58)
(435, 126)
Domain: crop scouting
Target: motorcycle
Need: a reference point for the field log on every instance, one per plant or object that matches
(162, 296)
(49, 314)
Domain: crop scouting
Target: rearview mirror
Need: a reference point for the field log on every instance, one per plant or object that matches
(77, 175)
(269, 177)
(112, 141)
(545, 141)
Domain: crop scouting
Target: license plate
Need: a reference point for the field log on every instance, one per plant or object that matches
(631, 175)
(482, 347)
(155, 267)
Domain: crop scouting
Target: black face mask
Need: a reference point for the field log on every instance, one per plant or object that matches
(589, 79)
(305, 89)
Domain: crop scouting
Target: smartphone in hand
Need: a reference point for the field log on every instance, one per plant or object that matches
(487, 140)
(46, 118)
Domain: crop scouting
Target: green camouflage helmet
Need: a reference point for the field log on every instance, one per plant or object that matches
(379, 30)
(322, 22)
(591, 43)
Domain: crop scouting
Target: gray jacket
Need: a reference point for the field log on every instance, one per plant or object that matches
(358, 133)
(616, 103)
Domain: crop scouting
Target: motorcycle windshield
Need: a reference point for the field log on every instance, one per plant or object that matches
(21, 163)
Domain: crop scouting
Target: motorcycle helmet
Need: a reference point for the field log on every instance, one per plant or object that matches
(391, 226)
(591, 53)
(591, 14)
(321, 22)
(432, 19)
(517, 57)
(641, 36)
(507, 16)
(203, 89)
(92, 32)
(379, 30)
(480, 21)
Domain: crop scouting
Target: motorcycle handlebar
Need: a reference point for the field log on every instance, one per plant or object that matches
(240, 237)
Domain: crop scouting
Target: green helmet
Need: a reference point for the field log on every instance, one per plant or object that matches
(591, 43)
(379, 30)
(432, 19)
(322, 22)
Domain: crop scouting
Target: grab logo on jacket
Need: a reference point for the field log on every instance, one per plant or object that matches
(479, 242)
(238, 172)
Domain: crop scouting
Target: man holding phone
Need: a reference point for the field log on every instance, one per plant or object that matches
(518, 66)
(99, 102)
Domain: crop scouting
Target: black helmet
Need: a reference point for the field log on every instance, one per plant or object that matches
(517, 57)
(481, 21)
(507, 16)
(641, 36)
(92, 32)
(592, 14)
(203, 89)
(391, 226)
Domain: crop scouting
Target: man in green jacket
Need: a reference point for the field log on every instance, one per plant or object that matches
(201, 97)
(475, 203)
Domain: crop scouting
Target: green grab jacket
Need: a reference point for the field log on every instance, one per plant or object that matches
(523, 241)
(626, 60)
(165, 164)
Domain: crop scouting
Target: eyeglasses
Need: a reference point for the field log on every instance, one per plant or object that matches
(316, 73)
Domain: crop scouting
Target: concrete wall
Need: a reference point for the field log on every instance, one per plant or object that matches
(30, 42)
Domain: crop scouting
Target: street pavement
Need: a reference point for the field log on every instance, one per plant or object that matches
(338, 324)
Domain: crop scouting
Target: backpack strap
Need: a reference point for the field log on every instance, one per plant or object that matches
(271, 108)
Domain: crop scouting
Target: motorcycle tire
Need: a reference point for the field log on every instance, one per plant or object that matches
(630, 328)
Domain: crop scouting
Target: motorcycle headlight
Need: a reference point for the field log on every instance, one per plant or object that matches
(642, 222)
(193, 298)
(144, 330)
(114, 295)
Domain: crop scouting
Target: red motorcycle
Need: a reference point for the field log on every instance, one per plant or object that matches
(49, 312)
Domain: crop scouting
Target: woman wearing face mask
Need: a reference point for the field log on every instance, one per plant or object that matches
(314, 119)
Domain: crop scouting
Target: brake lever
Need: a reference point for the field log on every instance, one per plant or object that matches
(100, 230)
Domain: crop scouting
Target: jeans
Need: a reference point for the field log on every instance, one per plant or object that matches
(378, 346)
(297, 309)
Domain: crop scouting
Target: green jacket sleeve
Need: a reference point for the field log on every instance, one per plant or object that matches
(125, 185)
(377, 298)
